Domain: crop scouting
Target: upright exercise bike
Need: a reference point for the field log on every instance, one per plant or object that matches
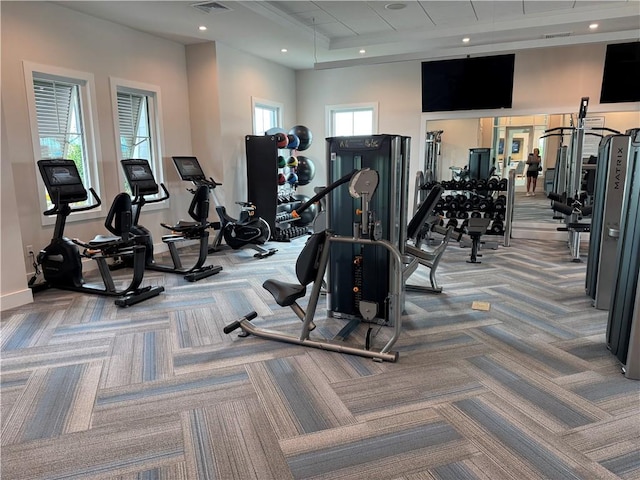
(249, 231)
(142, 182)
(61, 260)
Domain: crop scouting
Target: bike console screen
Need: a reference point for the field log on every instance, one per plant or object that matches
(140, 176)
(63, 182)
(189, 169)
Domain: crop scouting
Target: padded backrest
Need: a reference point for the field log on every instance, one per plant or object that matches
(119, 218)
(309, 259)
(199, 208)
(429, 204)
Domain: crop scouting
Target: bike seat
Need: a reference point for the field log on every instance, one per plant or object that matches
(100, 241)
(182, 226)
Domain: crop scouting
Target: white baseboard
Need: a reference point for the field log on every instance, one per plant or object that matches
(16, 299)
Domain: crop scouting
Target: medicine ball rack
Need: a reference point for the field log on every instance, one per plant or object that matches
(263, 190)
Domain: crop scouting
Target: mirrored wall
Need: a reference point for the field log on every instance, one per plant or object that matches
(512, 138)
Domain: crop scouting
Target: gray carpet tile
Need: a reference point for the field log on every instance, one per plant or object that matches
(525, 389)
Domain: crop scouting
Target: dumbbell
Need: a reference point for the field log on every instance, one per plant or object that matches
(497, 227)
(486, 205)
(468, 205)
(503, 184)
(493, 184)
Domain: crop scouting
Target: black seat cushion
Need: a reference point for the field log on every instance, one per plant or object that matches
(308, 261)
(285, 294)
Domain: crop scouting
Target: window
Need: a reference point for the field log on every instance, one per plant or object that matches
(137, 125)
(266, 115)
(61, 113)
(347, 120)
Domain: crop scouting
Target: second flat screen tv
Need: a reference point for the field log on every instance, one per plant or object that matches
(478, 83)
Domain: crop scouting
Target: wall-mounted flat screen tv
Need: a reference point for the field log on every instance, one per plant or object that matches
(621, 73)
(477, 83)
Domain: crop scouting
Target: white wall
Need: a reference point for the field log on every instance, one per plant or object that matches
(240, 77)
(13, 288)
(545, 81)
(395, 87)
(204, 105)
(45, 33)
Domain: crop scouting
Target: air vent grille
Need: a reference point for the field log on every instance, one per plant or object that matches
(557, 35)
(208, 7)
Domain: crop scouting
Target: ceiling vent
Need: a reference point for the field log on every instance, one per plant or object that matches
(557, 35)
(208, 7)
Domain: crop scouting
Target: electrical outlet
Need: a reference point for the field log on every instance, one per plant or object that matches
(28, 250)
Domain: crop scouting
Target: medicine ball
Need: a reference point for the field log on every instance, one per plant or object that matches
(292, 162)
(281, 179)
(281, 140)
(306, 170)
(292, 178)
(282, 162)
(294, 141)
(304, 134)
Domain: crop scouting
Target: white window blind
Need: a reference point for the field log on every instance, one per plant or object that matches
(133, 120)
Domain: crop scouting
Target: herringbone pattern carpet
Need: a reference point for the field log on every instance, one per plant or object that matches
(526, 390)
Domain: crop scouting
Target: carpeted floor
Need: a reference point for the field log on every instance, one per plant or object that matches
(525, 390)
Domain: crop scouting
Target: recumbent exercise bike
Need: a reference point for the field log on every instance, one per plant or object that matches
(61, 260)
(249, 231)
(142, 182)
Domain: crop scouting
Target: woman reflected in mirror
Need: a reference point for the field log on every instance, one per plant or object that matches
(533, 169)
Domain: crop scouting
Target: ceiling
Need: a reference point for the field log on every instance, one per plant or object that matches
(328, 34)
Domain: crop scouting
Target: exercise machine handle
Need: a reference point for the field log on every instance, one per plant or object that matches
(140, 199)
(233, 326)
(56, 206)
(322, 193)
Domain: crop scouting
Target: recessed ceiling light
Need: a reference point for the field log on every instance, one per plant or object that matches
(395, 6)
(362, 50)
(202, 28)
(593, 26)
(466, 40)
(284, 50)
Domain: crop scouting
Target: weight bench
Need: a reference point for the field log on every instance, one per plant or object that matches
(415, 253)
(475, 229)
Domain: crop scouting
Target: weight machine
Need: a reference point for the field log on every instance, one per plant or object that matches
(623, 324)
(615, 161)
(311, 266)
(568, 197)
(430, 173)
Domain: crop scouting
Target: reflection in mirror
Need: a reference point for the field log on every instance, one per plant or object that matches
(510, 140)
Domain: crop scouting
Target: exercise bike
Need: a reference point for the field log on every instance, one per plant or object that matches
(248, 231)
(142, 182)
(61, 260)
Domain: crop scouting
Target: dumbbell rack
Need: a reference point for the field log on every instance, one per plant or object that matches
(466, 199)
(285, 227)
